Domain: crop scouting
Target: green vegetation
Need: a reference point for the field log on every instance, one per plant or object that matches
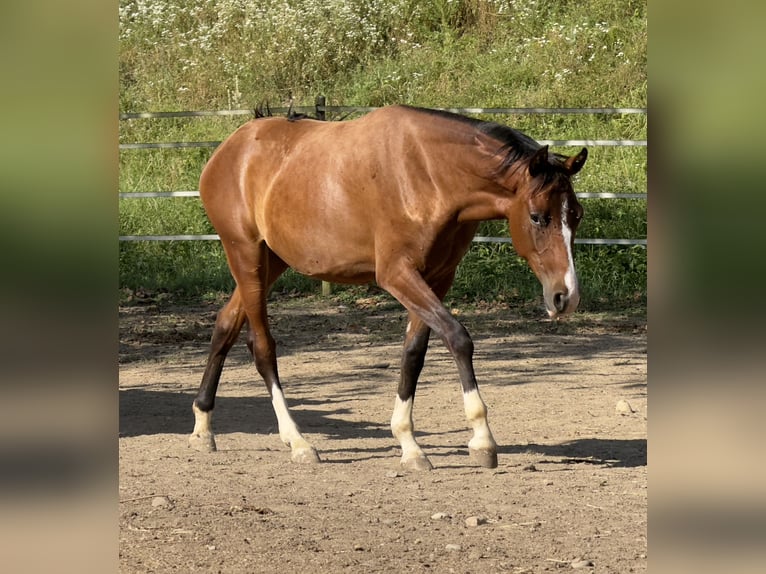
(234, 54)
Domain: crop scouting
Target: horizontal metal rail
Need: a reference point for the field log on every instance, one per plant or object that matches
(607, 195)
(584, 195)
(169, 238)
(560, 143)
(477, 239)
(165, 145)
(365, 109)
(522, 111)
(139, 194)
(595, 143)
(584, 241)
(166, 194)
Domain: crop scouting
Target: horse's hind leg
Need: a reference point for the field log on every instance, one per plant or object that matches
(227, 327)
(255, 270)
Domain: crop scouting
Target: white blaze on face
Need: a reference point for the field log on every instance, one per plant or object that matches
(570, 279)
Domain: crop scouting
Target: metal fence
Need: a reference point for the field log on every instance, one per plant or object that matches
(320, 111)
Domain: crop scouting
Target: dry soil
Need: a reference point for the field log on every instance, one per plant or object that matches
(570, 490)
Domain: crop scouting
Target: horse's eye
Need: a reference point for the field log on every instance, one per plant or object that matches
(536, 219)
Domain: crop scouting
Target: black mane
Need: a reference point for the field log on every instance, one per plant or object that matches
(515, 144)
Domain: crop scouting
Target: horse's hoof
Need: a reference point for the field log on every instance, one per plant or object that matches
(203, 442)
(485, 458)
(306, 456)
(417, 463)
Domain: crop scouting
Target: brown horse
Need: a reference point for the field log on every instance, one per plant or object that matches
(394, 197)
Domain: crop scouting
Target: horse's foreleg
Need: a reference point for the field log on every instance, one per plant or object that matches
(482, 447)
(413, 292)
(415, 347)
(227, 327)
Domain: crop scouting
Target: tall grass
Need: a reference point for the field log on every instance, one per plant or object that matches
(233, 54)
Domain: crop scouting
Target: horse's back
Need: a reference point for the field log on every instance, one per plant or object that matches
(302, 162)
(271, 145)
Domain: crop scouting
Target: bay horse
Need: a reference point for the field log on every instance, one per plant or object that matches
(393, 197)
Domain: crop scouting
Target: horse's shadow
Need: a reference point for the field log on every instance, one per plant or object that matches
(605, 452)
(150, 412)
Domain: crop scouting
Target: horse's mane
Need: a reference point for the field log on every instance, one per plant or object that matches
(515, 145)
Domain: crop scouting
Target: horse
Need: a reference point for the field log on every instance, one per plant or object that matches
(393, 197)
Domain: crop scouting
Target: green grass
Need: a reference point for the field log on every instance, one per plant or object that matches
(234, 54)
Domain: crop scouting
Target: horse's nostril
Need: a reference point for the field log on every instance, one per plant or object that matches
(559, 301)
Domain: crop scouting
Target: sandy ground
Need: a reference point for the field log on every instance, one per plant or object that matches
(570, 490)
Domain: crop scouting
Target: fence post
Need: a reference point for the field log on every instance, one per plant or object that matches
(319, 107)
(319, 110)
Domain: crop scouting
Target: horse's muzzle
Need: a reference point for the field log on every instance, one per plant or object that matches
(561, 302)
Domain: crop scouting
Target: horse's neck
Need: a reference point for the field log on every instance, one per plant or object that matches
(491, 194)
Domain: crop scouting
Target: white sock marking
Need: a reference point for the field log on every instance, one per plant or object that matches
(476, 413)
(202, 421)
(402, 428)
(288, 430)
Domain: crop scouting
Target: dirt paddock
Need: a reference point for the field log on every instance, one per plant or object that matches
(569, 491)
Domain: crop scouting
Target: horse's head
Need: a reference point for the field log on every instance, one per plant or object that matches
(543, 223)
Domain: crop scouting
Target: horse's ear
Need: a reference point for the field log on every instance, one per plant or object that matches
(539, 162)
(574, 164)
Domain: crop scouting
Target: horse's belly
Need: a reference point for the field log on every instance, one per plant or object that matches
(328, 258)
(324, 233)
